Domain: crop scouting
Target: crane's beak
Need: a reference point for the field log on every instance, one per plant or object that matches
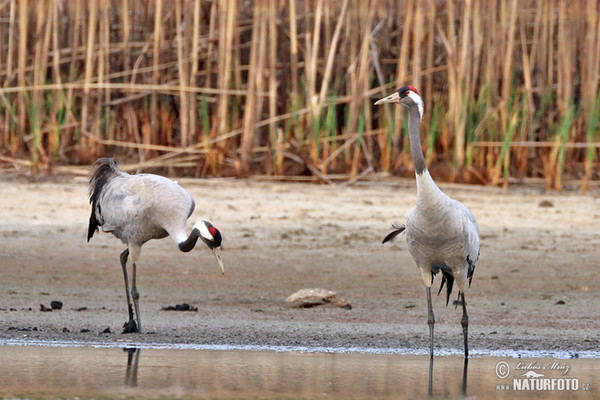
(392, 98)
(217, 253)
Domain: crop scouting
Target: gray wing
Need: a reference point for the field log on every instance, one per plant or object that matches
(122, 206)
(471, 239)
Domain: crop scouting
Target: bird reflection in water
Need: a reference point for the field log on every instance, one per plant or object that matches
(133, 359)
(464, 380)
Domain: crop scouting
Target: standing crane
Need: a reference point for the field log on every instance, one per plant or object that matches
(441, 233)
(137, 208)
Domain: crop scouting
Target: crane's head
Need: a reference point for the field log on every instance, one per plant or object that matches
(212, 238)
(406, 96)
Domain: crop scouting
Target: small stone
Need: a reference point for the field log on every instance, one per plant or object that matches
(306, 298)
(107, 330)
(43, 308)
(180, 307)
(66, 330)
(560, 302)
(545, 204)
(56, 305)
(84, 330)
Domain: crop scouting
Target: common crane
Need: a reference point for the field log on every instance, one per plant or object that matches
(441, 233)
(137, 208)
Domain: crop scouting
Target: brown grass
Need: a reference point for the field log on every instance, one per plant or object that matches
(214, 87)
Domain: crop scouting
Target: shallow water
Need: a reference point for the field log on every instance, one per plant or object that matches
(108, 372)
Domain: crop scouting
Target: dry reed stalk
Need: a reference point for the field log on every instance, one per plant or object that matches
(155, 70)
(590, 64)
(44, 23)
(509, 39)
(227, 11)
(312, 59)
(212, 27)
(331, 54)
(262, 63)
(103, 65)
(89, 61)
(476, 56)
(8, 132)
(250, 114)
(364, 15)
(168, 88)
(564, 62)
(417, 37)
(194, 70)
(402, 65)
(58, 93)
(362, 81)
(22, 60)
(458, 77)
(429, 60)
(183, 78)
(590, 82)
(273, 11)
(74, 36)
(125, 32)
(293, 51)
(145, 146)
(527, 71)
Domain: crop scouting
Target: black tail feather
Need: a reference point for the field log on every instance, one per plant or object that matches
(471, 270)
(106, 168)
(398, 230)
(446, 277)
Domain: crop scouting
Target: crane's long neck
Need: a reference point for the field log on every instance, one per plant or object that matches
(187, 244)
(414, 127)
(428, 194)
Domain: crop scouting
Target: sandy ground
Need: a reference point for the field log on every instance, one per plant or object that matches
(281, 237)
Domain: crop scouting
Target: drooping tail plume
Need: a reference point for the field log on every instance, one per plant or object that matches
(106, 168)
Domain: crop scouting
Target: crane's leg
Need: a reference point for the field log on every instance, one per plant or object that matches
(136, 296)
(430, 321)
(135, 253)
(465, 323)
(129, 326)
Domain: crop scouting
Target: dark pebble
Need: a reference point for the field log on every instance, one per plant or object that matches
(560, 302)
(84, 330)
(65, 330)
(107, 330)
(180, 307)
(44, 308)
(56, 305)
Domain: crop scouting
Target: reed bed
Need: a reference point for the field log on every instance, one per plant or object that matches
(286, 88)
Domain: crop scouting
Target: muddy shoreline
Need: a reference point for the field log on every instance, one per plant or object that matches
(535, 287)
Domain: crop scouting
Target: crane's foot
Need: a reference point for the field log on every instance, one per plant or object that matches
(130, 327)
